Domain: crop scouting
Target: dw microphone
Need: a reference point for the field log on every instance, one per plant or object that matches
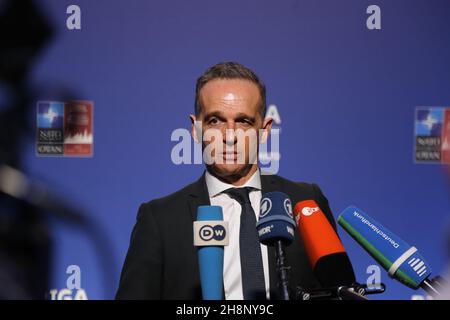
(210, 235)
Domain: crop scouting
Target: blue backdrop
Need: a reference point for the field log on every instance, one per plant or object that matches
(346, 96)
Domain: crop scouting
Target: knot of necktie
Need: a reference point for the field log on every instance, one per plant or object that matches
(241, 195)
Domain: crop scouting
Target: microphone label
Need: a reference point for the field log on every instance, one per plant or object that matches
(307, 211)
(266, 206)
(265, 230)
(288, 207)
(210, 233)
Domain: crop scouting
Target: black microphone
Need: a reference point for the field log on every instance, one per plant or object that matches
(276, 227)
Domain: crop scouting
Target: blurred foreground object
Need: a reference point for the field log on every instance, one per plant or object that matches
(25, 243)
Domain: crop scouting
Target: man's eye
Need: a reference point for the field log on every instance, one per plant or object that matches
(213, 121)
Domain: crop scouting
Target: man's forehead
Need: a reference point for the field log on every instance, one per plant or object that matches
(231, 97)
(230, 94)
(237, 83)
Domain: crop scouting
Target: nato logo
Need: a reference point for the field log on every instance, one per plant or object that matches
(429, 121)
(50, 128)
(432, 133)
(64, 128)
(50, 115)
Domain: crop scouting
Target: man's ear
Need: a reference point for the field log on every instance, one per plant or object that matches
(194, 130)
(266, 127)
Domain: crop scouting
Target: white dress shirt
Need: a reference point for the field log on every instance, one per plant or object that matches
(231, 208)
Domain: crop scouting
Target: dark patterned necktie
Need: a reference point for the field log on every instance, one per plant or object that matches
(252, 271)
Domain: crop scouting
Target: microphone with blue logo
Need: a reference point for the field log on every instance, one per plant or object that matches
(402, 261)
(210, 236)
(276, 227)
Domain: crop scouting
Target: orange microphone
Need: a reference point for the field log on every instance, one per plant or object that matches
(326, 253)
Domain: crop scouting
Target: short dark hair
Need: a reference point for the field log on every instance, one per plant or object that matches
(229, 70)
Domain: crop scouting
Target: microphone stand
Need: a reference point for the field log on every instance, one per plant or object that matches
(347, 294)
(434, 286)
(353, 292)
(282, 270)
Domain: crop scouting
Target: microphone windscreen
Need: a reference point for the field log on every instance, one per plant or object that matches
(276, 220)
(326, 253)
(210, 235)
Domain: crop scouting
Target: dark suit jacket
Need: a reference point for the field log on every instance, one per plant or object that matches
(161, 262)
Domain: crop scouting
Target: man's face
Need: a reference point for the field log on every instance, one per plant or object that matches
(231, 107)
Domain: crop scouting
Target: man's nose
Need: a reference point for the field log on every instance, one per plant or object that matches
(230, 134)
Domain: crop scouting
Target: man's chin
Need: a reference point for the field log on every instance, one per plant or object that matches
(229, 170)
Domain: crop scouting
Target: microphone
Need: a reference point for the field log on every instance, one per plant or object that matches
(323, 246)
(402, 261)
(210, 235)
(276, 228)
(327, 256)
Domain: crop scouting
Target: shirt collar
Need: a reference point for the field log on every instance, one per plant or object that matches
(216, 186)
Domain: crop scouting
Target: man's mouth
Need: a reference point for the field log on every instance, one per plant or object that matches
(230, 155)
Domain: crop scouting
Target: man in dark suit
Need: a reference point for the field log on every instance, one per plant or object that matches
(161, 262)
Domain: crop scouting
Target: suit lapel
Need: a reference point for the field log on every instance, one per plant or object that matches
(198, 196)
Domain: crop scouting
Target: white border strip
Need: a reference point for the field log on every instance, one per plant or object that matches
(408, 253)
